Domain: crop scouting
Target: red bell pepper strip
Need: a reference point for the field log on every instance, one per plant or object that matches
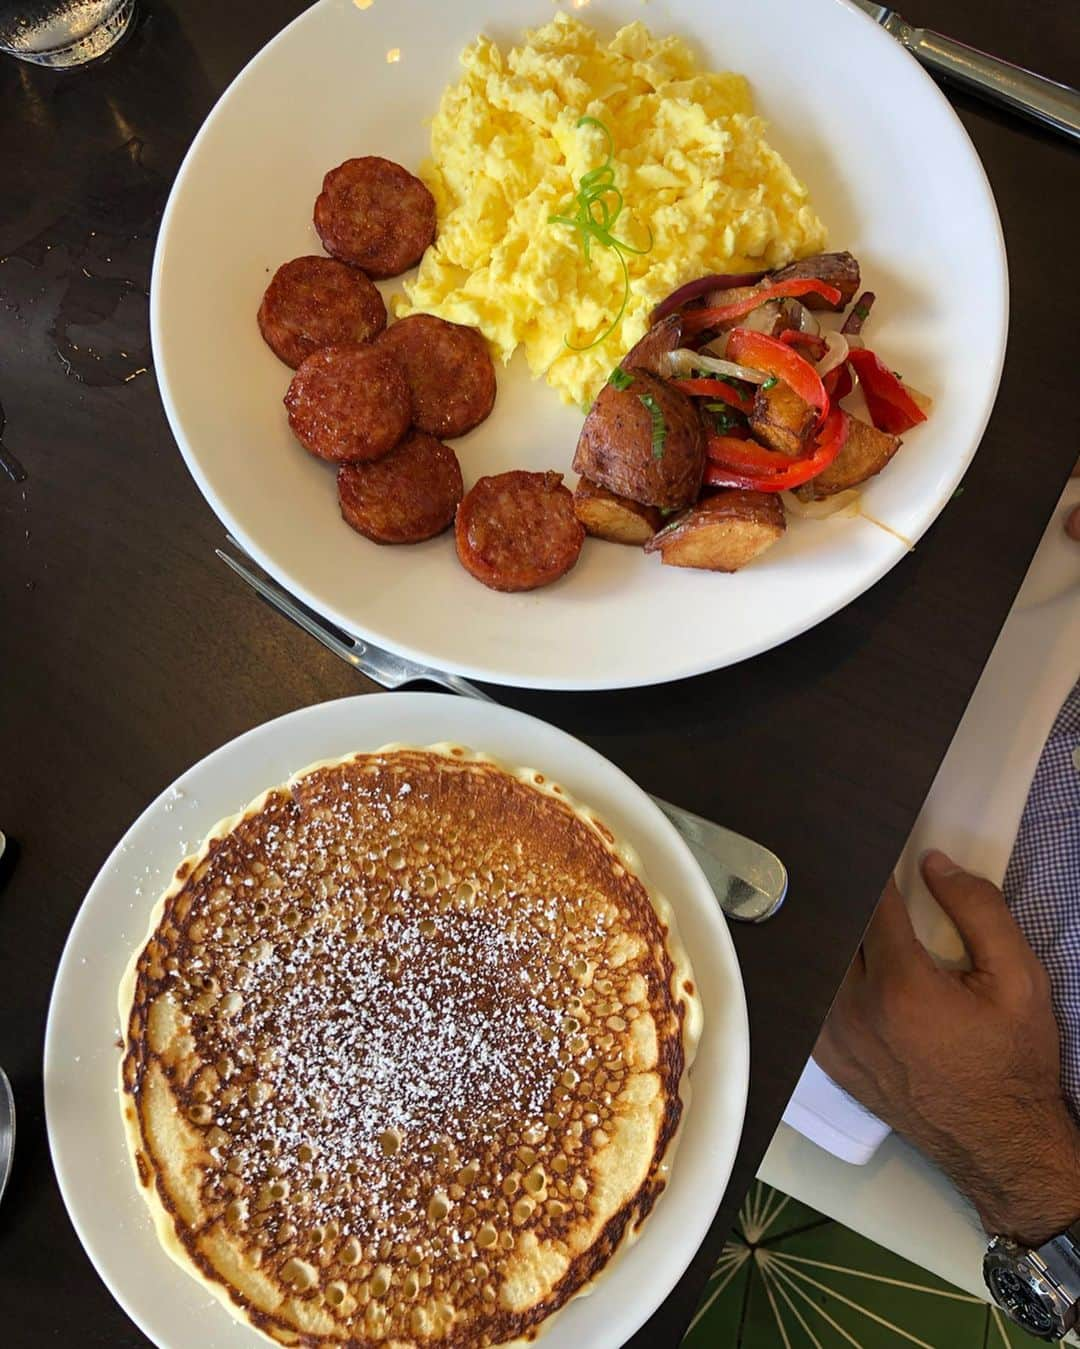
(776, 358)
(815, 346)
(891, 407)
(715, 388)
(696, 320)
(838, 382)
(827, 445)
(745, 456)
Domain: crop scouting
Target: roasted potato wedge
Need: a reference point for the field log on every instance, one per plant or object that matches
(615, 518)
(866, 452)
(782, 420)
(723, 532)
(616, 446)
(835, 269)
(649, 352)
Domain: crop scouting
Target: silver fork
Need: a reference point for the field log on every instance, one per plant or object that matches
(750, 881)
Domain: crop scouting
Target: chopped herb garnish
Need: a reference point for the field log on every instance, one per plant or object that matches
(599, 204)
(862, 311)
(770, 382)
(723, 416)
(898, 375)
(659, 426)
(958, 493)
(619, 378)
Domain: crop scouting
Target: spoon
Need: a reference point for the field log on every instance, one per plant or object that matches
(7, 1130)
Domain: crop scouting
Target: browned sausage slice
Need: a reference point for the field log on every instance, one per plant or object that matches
(316, 302)
(449, 370)
(408, 495)
(518, 531)
(375, 214)
(348, 403)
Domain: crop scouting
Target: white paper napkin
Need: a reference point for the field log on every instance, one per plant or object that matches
(974, 807)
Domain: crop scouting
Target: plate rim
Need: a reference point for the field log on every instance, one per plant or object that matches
(573, 679)
(737, 1050)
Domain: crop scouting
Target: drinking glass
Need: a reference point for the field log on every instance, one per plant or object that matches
(62, 33)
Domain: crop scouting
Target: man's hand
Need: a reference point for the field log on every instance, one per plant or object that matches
(963, 1063)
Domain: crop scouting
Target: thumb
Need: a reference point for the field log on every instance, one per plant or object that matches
(978, 909)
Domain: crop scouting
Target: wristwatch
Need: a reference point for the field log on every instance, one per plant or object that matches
(1039, 1289)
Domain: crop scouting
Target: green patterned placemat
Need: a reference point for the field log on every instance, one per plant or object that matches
(789, 1278)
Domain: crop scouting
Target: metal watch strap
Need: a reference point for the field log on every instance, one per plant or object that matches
(1061, 1255)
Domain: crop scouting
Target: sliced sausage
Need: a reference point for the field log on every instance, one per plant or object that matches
(375, 214)
(644, 441)
(408, 495)
(348, 403)
(449, 369)
(518, 531)
(316, 302)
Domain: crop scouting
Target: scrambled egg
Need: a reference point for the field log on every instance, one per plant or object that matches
(690, 159)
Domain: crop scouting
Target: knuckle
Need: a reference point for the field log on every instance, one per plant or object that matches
(1031, 983)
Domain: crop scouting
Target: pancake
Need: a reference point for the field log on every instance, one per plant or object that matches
(406, 1053)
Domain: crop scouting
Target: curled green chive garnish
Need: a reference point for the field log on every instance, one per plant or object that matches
(599, 203)
(619, 379)
(659, 426)
(770, 382)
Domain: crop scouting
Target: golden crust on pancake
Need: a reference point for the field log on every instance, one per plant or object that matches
(405, 1053)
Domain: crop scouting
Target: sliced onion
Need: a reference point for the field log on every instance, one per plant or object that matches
(681, 364)
(733, 295)
(762, 319)
(836, 355)
(694, 290)
(843, 504)
(807, 323)
(860, 311)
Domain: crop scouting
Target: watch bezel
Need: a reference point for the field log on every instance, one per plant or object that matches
(1030, 1267)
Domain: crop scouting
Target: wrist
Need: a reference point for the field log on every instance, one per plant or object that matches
(1037, 1198)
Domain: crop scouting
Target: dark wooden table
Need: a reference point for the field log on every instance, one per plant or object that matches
(128, 651)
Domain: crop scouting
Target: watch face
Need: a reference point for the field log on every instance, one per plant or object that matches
(1015, 1296)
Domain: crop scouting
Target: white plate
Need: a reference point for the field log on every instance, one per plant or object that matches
(82, 1111)
(891, 171)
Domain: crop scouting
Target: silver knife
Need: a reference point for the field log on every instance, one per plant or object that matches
(750, 881)
(1055, 105)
